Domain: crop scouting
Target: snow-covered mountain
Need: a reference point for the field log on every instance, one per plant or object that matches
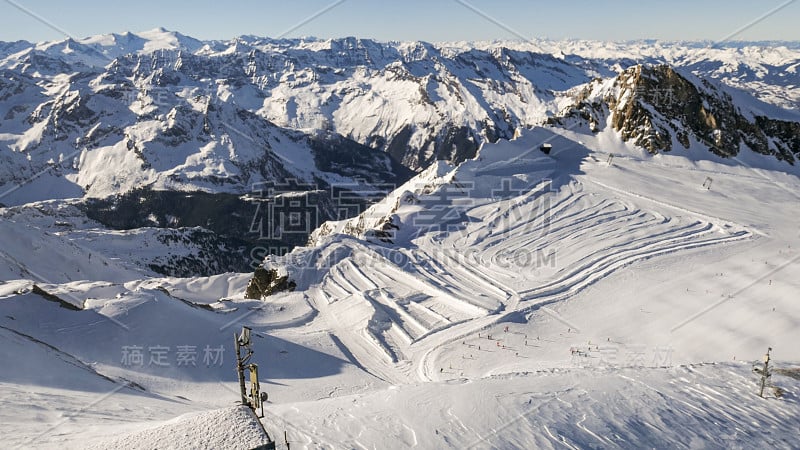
(130, 114)
(659, 109)
(506, 245)
(172, 112)
(614, 303)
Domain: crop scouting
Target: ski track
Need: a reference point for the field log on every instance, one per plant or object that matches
(443, 294)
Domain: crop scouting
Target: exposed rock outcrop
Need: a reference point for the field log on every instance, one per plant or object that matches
(266, 282)
(657, 107)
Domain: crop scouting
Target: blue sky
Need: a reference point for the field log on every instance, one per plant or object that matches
(431, 20)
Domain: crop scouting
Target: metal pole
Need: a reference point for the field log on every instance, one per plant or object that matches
(765, 373)
(240, 370)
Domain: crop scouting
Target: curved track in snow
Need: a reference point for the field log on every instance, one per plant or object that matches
(395, 311)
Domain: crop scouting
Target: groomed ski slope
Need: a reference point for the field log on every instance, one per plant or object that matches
(531, 230)
(563, 302)
(696, 406)
(630, 282)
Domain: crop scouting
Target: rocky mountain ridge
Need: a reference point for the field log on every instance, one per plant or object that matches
(131, 98)
(657, 108)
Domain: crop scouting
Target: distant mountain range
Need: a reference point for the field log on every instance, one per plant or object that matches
(159, 109)
(115, 118)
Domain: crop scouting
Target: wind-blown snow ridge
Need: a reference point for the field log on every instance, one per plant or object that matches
(235, 427)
